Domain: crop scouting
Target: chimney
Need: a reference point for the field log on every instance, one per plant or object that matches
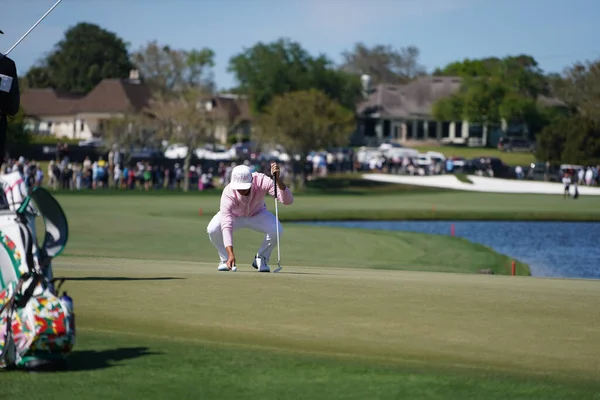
(134, 76)
(365, 81)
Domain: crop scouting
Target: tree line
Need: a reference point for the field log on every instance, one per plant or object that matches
(306, 101)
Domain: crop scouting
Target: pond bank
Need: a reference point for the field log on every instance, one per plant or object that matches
(551, 249)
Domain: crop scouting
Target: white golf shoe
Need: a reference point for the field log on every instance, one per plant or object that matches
(260, 263)
(222, 266)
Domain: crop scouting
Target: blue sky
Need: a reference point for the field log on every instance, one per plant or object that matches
(556, 32)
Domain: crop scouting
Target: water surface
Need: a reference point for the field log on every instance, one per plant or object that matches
(552, 249)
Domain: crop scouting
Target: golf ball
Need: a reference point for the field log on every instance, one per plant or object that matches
(234, 268)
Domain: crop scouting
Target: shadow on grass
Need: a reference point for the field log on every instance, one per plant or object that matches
(119, 278)
(353, 185)
(298, 273)
(91, 360)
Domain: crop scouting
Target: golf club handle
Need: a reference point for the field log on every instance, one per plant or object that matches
(277, 228)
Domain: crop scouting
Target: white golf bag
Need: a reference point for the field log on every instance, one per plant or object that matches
(37, 327)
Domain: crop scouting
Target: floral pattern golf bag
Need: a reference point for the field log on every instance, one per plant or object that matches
(37, 327)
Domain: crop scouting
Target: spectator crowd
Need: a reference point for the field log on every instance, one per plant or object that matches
(112, 173)
(103, 174)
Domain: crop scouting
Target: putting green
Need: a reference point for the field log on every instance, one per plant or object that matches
(155, 329)
(170, 228)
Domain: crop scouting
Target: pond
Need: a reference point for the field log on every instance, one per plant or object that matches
(551, 249)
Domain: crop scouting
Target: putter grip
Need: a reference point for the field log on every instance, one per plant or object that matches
(275, 184)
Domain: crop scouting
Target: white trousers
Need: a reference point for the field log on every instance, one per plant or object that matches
(264, 222)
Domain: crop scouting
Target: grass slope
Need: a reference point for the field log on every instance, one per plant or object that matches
(153, 330)
(518, 158)
(170, 228)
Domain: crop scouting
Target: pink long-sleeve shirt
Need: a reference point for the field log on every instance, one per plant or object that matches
(233, 204)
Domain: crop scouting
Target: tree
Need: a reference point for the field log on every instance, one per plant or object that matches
(582, 144)
(166, 70)
(580, 88)
(517, 108)
(479, 101)
(183, 117)
(128, 131)
(494, 89)
(265, 71)
(345, 88)
(449, 108)
(305, 120)
(87, 55)
(468, 68)
(573, 140)
(384, 63)
(181, 81)
(482, 99)
(519, 73)
(16, 133)
(38, 77)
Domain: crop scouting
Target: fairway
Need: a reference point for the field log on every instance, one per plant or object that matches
(354, 314)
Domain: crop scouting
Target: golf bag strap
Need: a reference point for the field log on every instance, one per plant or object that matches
(10, 303)
(27, 238)
(37, 278)
(60, 281)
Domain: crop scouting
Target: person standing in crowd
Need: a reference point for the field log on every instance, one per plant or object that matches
(10, 98)
(567, 184)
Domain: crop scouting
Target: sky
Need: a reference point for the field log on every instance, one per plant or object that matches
(557, 33)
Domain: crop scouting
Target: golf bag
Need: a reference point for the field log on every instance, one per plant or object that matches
(37, 327)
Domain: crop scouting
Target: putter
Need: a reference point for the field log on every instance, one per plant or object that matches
(30, 29)
(277, 226)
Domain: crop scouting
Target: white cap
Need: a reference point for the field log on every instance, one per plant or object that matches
(241, 178)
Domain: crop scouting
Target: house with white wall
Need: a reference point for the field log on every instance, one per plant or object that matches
(403, 113)
(51, 112)
(232, 115)
(54, 113)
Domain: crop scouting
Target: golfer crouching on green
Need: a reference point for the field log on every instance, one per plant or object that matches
(243, 206)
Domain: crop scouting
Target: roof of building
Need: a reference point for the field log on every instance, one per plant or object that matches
(117, 96)
(231, 107)
(39, 102)
(412, 99)
(417, 97)
(109, 96)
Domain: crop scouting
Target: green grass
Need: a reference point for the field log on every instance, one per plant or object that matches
(512, 158)
(171, 227)
(150, 329)
(354, 314)
(353, 198)
(397, 203)
(463, 178)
